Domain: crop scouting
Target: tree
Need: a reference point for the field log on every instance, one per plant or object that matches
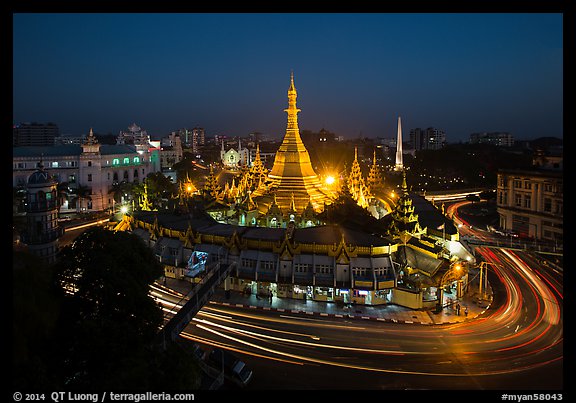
(82, 192)
(109, 322)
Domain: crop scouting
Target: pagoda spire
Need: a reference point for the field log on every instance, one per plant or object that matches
(292, 171)
(374, 181)
(292, 110)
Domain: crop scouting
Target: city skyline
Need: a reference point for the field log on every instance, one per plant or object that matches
(229, 73)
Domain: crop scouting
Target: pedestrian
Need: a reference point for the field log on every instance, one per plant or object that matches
(270, 295)
(466, 311)
(458, 309)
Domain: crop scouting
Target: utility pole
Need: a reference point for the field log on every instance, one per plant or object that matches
(483, 279)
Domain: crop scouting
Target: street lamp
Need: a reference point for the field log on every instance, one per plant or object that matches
(455, 272)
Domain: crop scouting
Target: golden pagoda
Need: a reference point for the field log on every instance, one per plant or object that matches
(293, 181)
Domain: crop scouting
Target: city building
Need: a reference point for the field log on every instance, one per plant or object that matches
(501, 139)
(170, 151)
(134, 136)
(235, 158)
(90, 171)
(428, 139)
(34, 134)
(192, 139)
(530, 202)
(66, 140)
(42, 229)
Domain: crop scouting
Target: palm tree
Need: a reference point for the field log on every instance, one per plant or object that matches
(82, 192)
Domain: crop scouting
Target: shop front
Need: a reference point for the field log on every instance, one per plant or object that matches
(323, 294)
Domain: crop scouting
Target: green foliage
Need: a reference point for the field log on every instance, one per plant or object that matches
(101, 337)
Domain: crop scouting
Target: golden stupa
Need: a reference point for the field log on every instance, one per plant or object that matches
(293, 181)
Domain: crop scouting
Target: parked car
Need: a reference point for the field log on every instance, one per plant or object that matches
(235, 369)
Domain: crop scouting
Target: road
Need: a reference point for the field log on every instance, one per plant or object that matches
(517, 344)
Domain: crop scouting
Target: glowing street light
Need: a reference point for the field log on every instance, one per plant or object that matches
(330, 180)
(124, 209)
(455, 272)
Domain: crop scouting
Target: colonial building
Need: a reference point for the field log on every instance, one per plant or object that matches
(89, 170)
(530, 202)
(235, 158)
(42, 229)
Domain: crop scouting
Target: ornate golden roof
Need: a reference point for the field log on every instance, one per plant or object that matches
(292, 173)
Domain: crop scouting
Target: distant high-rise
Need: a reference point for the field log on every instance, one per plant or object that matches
(34, 134)
(399, 163)
(501, 139)
(429, 139)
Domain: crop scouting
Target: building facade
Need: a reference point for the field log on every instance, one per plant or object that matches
(34, 134)
(427, 139)
(91, 166)
(235, 158)
(500, 139)
(530, 203)
(170, 151)
(324, 263)
(42, 229)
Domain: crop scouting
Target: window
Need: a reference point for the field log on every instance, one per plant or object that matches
(559, 208)
(267, 265)
(89, 163)
(518, 200)
(249, 263)
(136, 160)
(547, 205)
(126, 160)
(517, 184)
(89, 177)
(116, 161)
(55, 164)
(323, 269)
(527, 201)
(302, 267)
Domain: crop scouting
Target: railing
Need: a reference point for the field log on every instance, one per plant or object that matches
(197, 297)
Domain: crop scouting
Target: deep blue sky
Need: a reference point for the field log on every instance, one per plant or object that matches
(229, 73)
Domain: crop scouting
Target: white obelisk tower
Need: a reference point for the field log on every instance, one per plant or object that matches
(399, 165)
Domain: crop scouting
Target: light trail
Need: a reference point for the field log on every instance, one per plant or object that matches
(299, 342)
(352, 366)
(90, 224)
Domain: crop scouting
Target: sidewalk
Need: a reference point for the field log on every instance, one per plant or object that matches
(386, 313)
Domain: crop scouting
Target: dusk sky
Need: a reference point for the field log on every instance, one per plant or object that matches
(229, 73)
